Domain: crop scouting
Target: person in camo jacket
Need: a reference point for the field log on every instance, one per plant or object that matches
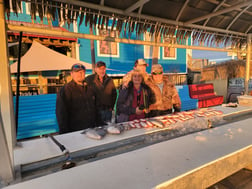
(166, 94)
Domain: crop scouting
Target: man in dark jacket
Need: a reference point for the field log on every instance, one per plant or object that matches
(105, 91)
(75, 105)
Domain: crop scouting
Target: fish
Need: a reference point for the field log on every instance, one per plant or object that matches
(143, 124)
(113, 24)
(157, 123)
(150, 124)
(81, 18)
(126, 126)
(138, 125)
(132, 124)
(114, 128)
(95, 133)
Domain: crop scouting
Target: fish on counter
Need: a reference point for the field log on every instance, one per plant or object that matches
(113, 128)
(157, 123)
(95, 133)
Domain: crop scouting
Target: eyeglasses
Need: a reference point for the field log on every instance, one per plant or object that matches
(157, 73)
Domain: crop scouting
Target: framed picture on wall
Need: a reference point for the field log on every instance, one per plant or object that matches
(169, 52)
(107, 48)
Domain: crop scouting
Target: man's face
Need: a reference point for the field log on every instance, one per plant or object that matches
(142, 68)
(157, 77)
(78, 76)
(101, 71)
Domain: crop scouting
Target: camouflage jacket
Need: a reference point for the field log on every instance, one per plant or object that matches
(169, 97)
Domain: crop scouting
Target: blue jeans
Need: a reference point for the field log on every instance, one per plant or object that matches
(105, 115)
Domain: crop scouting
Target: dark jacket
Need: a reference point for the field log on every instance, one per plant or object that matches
(125, 99)
(75, 107)
(105, 92)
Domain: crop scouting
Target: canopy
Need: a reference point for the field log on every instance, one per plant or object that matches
(41, 58)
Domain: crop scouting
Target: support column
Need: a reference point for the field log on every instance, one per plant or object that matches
(248, 63)
(7, 126)
(155, 51)
(6, 171)
(73, 49)
(92, 50)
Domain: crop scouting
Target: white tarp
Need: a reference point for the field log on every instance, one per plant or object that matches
(41, 58)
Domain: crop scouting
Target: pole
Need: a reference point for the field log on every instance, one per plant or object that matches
(7, 136)
(18, 78)
(92, 50)
(248, 61)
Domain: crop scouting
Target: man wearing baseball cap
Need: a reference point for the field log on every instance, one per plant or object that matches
(75, 105)
(167, 97)
(105, 92)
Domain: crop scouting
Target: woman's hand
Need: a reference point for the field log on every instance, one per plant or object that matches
(138, 111)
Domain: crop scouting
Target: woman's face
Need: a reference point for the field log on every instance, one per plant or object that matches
(137, 79)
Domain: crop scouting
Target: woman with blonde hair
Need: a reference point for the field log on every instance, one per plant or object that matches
(134, 101)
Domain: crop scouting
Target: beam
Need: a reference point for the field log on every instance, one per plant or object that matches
(136, 5)
(248, 29)
(240, 5)
(237, 16)
(51, 32)
(181, 10)
(151, 18)
(227, 5)
(216, 8)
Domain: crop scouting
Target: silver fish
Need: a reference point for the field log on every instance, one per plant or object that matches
(143, 124)
(157, 123)
(95, 133)
(115, 129)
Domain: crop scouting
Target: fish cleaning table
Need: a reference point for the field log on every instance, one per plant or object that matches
(44, 148)
(193, 161)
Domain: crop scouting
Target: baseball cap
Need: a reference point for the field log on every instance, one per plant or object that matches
(156, 68)
(77, 67)
(140, 62)
(100, 64)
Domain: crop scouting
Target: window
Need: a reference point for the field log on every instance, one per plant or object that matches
(107, 48)
(169, 52)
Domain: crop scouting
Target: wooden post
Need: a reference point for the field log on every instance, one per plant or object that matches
(42, 83)
(92, 50)
(248, 62)
(7, 121)
(6, 171)
(73, 49)
(155, 51)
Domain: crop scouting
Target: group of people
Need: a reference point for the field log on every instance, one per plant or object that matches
(87, 102)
